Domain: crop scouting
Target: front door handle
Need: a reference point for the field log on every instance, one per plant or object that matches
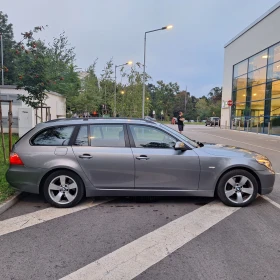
(86, 156)
(142, 157)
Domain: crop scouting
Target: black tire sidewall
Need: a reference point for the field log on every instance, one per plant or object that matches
(226, 177)
(76, 178)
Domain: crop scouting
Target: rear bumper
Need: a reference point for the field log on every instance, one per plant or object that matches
(267, 179)
(24, 179)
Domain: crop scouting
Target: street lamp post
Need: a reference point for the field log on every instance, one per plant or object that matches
(115, 98)
(144, 65)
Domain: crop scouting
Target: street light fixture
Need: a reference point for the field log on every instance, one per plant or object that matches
(115, 99)
(144, 66)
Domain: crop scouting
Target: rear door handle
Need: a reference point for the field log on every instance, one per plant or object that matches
(86, 156)
(142, 157)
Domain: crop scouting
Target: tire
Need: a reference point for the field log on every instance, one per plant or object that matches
(237, 188)
(63, 189)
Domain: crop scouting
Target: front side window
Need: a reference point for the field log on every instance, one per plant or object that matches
(150, 137)
(54, 136)
(107, 135)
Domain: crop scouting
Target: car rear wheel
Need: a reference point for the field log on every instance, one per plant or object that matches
(237, 188)
(63, 189)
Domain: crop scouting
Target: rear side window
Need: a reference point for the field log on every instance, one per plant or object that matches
(53, 136)
(107, 135)
(82, 137)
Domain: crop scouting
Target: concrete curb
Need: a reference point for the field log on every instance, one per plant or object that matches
(9, 203)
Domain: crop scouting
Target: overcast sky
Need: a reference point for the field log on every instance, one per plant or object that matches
(190, 54)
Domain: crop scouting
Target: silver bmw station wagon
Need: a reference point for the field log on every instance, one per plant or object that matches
(67, 159)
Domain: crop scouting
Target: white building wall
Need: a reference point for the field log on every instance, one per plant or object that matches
(54, 100)
(259, 37)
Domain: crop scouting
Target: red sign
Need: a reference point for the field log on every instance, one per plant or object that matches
(230, 103)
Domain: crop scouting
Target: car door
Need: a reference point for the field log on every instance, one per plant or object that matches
(105, 156)
(157, 165)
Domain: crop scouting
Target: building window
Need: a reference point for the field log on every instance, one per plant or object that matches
(240, 68)
(273, 72)
(240, 108)
(275, 91)
(241, 96)
(240, 82)
(256, 91)
(257, 108)
(274, 53)
(257, 77)
(275, 107)
(258, 61)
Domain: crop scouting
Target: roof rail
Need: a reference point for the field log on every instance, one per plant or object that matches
(97, 118)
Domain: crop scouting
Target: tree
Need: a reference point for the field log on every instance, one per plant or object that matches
(90, 97)
(32, 67)
(6, 29)
(163, 97)
(215, 94)
(202, 108)
(130, 103)
(107, 86)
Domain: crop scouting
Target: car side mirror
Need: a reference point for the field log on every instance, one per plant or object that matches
(180, 146)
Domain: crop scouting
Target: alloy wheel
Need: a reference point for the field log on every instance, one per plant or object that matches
(239, 189)
(63, 189)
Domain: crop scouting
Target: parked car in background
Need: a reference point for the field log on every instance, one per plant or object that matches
(192, 121)
(66, 160)
(203, 121)
(212, 121)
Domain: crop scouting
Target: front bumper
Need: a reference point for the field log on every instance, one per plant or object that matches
(24, 178)
(267, 179)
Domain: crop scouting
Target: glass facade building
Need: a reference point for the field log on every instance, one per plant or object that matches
(256, 92)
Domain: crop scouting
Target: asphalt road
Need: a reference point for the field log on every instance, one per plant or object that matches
(163, 238)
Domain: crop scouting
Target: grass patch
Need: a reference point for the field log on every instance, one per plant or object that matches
(5, 190)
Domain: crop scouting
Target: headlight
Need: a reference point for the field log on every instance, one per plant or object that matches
(264, 161)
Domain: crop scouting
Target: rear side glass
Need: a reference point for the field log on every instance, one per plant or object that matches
(82, 137)
(53, 136)
(107, 135)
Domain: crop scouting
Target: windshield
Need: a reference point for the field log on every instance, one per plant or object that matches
(179, 135)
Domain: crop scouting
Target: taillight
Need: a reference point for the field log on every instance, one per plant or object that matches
(15, 159)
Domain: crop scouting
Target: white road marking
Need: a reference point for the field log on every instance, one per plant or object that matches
(278, 151)
(271, 201)
(31, 219)
(137, 256)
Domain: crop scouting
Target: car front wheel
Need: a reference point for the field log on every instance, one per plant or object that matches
(237, 188)
(63, 189)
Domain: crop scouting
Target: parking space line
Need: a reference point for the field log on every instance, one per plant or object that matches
(31, 219)
(137, 256)
(271, 201)
(278, 151)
